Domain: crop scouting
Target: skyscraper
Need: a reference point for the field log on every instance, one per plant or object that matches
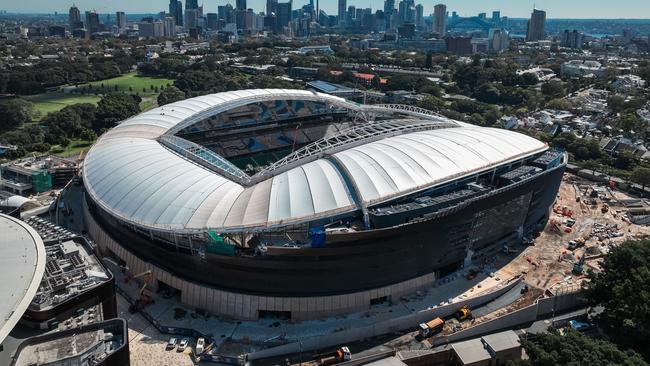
(284, 15)
(241, 5)
(535, 30)
(419, 16)
(74, 17)
(389, 6)
(170, 27)
(191, 4)
(176, 11)
(271, 7)
(342, 7)
(92, 22)
(496, 17)
(120, 18)
(440, 19)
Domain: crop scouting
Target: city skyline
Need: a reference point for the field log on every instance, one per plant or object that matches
(630, 9)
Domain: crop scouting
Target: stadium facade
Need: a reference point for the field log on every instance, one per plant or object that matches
(294, 203)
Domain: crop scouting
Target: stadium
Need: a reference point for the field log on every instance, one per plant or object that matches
(298, 204)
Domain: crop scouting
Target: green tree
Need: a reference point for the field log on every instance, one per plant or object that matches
(592, 165)
(553, 89)
(14, 113)
(623, 289)
(170, 94)
(641, 176)
(113, 108)
(574, 349)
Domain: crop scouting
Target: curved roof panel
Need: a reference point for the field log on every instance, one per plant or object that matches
(130, 173)
(22, 258)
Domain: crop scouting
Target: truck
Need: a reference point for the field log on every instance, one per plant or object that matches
(430, 328)
(340, 355)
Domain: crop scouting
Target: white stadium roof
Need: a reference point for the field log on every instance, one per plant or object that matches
(22, 259)
(132, 175)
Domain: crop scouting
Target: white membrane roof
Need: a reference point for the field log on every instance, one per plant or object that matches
(22, 259)
(129, 173)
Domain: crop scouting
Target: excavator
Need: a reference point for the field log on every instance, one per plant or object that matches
(463, 313)
(143, 299)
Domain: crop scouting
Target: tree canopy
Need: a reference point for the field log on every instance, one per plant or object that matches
(170, 94)
(114, 108)
(14, 113)
(574, 349)
(623, 289)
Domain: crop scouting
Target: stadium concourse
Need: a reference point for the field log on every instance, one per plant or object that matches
(260, 203)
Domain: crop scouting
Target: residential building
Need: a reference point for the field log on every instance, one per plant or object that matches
(440, 19)
(120, 18)
(342, 13)
(536, 25)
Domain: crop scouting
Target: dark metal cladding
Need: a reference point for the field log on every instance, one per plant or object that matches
(366, 259)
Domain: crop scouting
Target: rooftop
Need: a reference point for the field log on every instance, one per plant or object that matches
(22, 258)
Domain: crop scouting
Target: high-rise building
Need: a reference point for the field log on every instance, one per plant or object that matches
(284, 15)
(440, 19)
(535, 30)
(389, 6)
(499, 39)
(496, 17)
(225, 13)
(572, 39)
(212, 19)
(74, 17)
(419, 16)
(92, 22)
(271, 7)
(120, 18)
(342, 12)
(191, 18)
(191, 4)
(170, 27)
(176, 11)
(241, 5)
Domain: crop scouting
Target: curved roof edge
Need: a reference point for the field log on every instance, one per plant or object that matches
(38, 265)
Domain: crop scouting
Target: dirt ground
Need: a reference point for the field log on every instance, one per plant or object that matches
(549, 262)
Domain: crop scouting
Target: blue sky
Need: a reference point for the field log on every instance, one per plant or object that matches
(512, 8)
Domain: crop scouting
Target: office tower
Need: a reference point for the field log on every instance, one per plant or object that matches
(482, 16)
(342, 8)
(535, 30)
(240, 5)
(271, 7)
(191, 4)
(419, 16)
(176, 11)
(170, 27)
(389, 7)
(92, 22)
(440, 19)
(496, 17)
(284, 15)
(212, 19)
(74, 17)
(226, 13)
(120, 18)
(191, 18)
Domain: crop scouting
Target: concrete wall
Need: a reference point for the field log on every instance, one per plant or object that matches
(383, 327)
(244, 306)
(525, 315)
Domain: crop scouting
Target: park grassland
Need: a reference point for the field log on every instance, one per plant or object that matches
(131, 83)
(52, 102)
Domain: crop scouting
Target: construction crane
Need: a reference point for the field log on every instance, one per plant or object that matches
(143, 299)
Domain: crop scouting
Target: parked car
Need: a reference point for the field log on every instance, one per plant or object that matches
(200, 345)
(172, 343)
(182, 345)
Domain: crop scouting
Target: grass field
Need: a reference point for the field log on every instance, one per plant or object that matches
(52, 102)
(137, 84)
(75, 147)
